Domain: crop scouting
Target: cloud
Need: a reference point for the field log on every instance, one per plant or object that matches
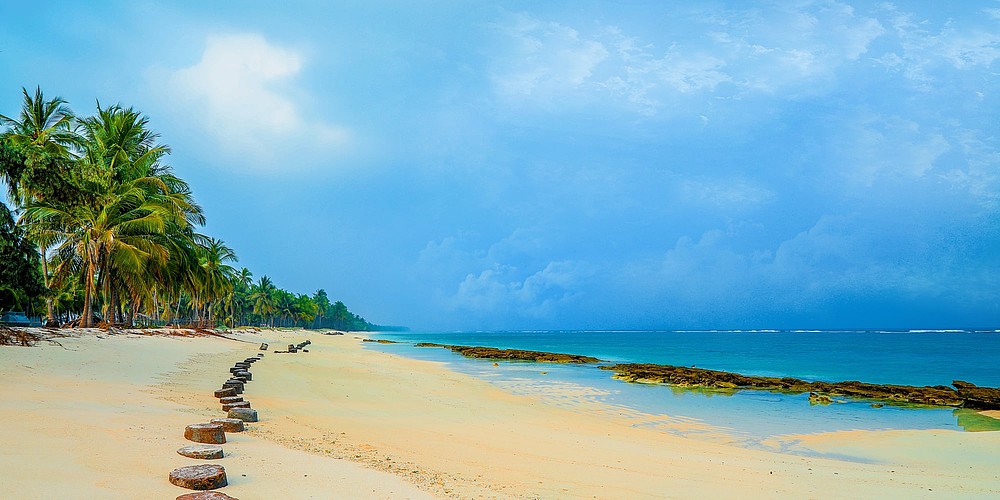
(747, 51)
(546, 59)
(245, 94)
(889, 147)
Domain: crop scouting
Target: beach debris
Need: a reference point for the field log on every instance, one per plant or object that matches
(244, 414)
(205, 433)
(199, 477)
(516, 354)
(206, 495)
(231, 399)
(225, 392)
(240, 404)
(230, 424)
(819, 399)
(201, 451)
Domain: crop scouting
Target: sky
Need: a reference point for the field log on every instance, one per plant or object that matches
(569, 165)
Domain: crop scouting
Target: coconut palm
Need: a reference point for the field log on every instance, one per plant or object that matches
(39, 152)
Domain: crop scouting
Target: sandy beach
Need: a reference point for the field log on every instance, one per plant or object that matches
(102, 415)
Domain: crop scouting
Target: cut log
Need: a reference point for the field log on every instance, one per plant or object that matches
(225, 392)
(199, 477)
(230, 424)
(244, 414)
(230, 406)
(206, 495)
(205, 433)
(202, 451)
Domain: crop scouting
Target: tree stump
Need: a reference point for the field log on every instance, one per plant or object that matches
(225, 392)
(230, 424)
(206, 495)
(240, 404)
(199, 477)
(202, 451)
(246, 375)
(205, 433)
(244, 414)
(231, 399)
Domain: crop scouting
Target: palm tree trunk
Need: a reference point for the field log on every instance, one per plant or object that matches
(88, 297)
(50, 319)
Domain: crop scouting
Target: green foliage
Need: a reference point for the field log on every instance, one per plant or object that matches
(118, 230)
(20, 272)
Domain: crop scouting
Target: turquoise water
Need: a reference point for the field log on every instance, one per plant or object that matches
(911, 358)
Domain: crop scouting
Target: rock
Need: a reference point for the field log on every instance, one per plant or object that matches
(244, 414)
(225, 392)
(240, 404)
(235, 369)
(243, 380)
(517, 354)
(199, 477)
(260, 354)
(231, 399)
(202, 451)
(246, 375)
(979, 398)
(263, 347)
(305, 350)
(206, 495)
(877, 405)
(205, 433)
(230, 424)
(819, 399)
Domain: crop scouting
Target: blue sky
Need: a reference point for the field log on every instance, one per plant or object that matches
(593, 164)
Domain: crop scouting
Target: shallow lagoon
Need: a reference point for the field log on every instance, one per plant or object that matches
(747, 417)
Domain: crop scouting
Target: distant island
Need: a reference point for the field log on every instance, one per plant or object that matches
(101, 231)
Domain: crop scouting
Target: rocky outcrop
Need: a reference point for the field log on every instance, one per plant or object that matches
(380, 341)
(901, 394)
(199, 477)
(978, 398)
(513, 354)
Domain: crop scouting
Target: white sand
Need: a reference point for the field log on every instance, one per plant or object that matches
(105, 418)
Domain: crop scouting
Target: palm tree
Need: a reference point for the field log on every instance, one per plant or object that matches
(40, 147)
(120, 230)
(263, 299)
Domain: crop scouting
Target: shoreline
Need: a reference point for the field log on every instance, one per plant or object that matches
(963, 395)
(343, 417)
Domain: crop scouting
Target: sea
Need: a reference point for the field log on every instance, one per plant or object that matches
(747, 417)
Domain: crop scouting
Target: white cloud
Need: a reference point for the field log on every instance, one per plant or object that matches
(244, 93)
(546, 60)
(889, 147)
(779, 48)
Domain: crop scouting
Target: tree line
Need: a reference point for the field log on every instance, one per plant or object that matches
(101, 230)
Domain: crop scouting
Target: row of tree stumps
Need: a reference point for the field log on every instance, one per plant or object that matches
(210, 435)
